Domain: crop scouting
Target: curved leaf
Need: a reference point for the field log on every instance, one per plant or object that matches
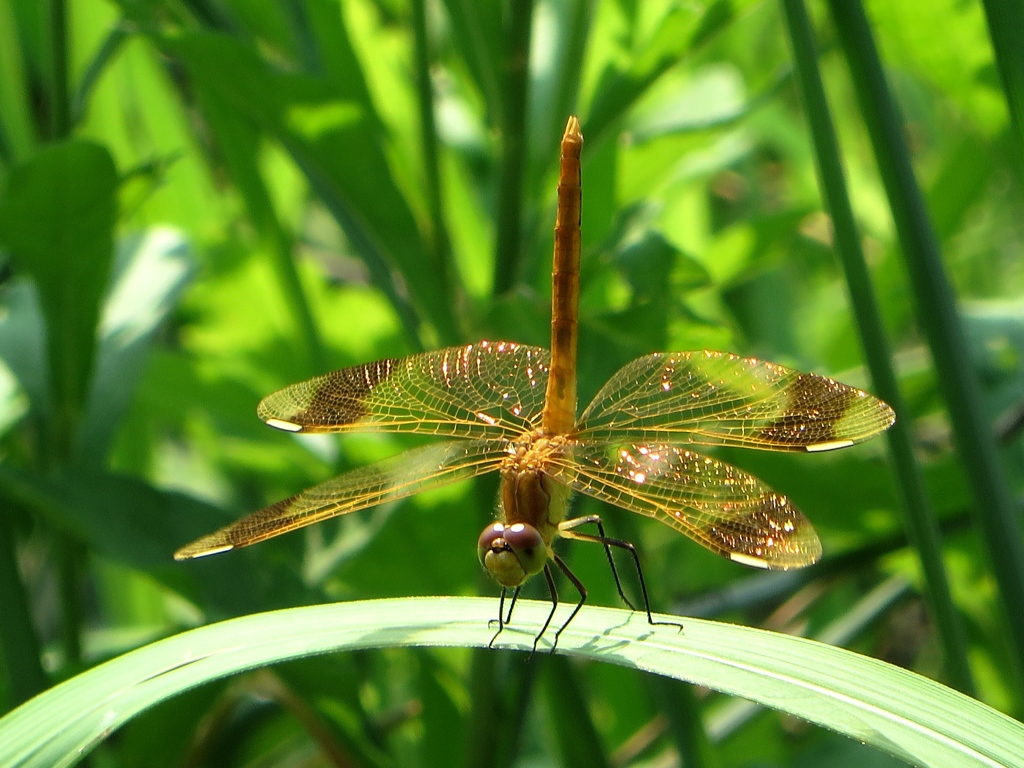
(912, 717)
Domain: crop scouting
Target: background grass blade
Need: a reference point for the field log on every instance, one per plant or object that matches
(920, 521)
(19, 642)
(1006, 27)
(56, 223)
(938, 315)
(514, 156)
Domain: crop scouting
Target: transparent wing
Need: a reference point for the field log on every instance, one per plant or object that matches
(715, 398)
(482, 390)
(414, 471)
(723, 508)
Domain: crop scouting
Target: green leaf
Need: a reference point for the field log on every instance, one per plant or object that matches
(711, 97)
(13, 403)
(131, 522)
(938, 316)
(336, 139)
(683, 28)
(23, 345)
(1005, 26)
(16, 130)
(56, 222)
(897, 711)
(152, 271)
(478, 36)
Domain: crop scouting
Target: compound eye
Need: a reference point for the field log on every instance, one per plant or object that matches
(528, 546)
(488, 537)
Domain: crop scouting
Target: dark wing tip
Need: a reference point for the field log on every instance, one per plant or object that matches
(773, 535)
(325, 403)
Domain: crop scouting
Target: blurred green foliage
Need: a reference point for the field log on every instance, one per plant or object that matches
(204, 200)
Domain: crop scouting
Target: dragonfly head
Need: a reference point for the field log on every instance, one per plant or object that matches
(512, 553)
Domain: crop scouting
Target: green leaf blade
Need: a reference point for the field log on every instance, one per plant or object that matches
(887, 707)
(56, 222)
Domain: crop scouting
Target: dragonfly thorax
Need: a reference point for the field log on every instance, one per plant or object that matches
(528, 492)
(532, 506)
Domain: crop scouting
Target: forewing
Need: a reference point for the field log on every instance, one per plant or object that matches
(725, 509)
(715, 398)
(414, 471)
(482, 390)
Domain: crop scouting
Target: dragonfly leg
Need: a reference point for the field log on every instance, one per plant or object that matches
(566, 530)
(511, 605)
(579, 588)
(501, 613)
(553, 591)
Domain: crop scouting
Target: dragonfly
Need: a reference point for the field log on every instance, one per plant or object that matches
(511, 408)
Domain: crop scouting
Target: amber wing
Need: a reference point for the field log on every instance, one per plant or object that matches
(716, 398)
(476, 391)
(725, 509)
(631, 447)
(409, 473)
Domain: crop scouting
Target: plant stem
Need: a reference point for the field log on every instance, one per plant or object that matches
(684, 721)
(485, 707)
(1006, 29)
(918, 516)
(937, 315)
(60, 124)
(577, 734)
(513, 158)
(282, 246)
(68, 410)
(70, 561)
(440, 243)
(18, 640)
(111, 46)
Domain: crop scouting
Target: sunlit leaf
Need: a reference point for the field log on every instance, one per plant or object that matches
(151, 272)
(922, 722)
